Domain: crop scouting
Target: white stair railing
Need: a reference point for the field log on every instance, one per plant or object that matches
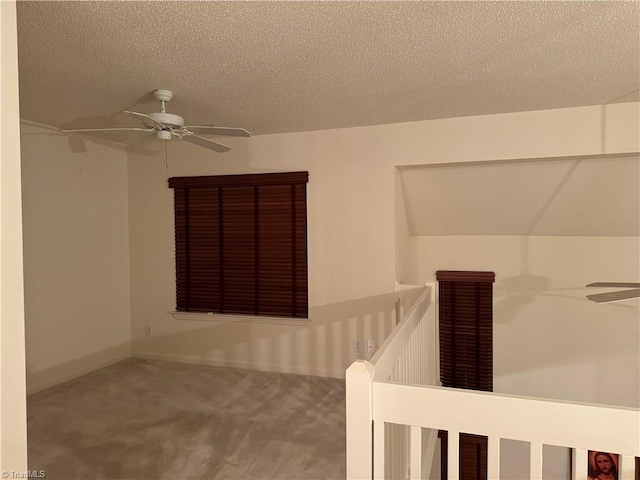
(394, 411)
(537, 421)
(409, 354)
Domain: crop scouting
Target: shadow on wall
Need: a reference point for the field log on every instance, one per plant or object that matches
(324, 346)
(553, 342)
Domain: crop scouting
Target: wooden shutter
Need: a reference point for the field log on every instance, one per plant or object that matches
(466, 353)
(473, 456)
(466, 329)
(241, 244)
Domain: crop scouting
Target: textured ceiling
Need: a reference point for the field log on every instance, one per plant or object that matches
(296, 66)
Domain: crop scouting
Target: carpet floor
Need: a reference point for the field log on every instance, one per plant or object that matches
(142, 419)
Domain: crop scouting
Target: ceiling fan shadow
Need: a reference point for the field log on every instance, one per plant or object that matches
(137, 147)
(581, 297)
(517, 291)
(76, 143)
(114, 119)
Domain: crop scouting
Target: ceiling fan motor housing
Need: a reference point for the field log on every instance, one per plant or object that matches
(168, 119)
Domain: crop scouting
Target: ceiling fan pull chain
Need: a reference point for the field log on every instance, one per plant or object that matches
(166, 158)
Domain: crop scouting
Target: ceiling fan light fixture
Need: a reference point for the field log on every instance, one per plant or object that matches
(163, 134)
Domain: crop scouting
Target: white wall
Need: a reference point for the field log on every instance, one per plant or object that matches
(13, 415)
(352, 224)
(76, 255)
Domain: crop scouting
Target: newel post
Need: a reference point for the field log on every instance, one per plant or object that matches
(359, 378)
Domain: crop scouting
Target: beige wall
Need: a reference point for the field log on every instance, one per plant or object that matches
(13, 415)
(345, 303)
(76, 255)
(353, 225)
(406, 247)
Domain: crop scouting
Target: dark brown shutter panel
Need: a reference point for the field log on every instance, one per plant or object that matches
(466, 353)
(241, 244)
(466, 329)
(472, 456)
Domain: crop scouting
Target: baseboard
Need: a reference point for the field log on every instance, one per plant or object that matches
(38, 381)
(316, 372)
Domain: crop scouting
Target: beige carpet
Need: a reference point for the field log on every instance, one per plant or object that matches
(143, 419)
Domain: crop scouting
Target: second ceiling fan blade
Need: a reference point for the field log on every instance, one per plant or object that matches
(614, 284)
(206, 143)
(223, 131)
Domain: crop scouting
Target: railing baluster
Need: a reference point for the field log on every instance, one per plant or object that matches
(493, 458)
(627, 468)
(535, 461)
(421, 347)
(378, 450)
(416, 453)
(453, 456)
(579, 464)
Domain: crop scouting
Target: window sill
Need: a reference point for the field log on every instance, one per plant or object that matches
(225, 318)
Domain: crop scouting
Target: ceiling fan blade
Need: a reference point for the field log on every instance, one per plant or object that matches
(206, 143)
(614, 296)
(224, 131)
(115, 129)
(614, 284)
(144, 115)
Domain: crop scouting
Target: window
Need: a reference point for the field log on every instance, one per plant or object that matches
(241, 244)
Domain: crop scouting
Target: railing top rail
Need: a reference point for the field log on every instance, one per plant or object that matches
(538, 420)
(384, 359)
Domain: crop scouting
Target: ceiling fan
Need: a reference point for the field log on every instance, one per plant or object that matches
(165, 126)
(616, 296)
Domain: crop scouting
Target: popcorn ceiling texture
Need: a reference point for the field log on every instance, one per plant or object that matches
(297, 66)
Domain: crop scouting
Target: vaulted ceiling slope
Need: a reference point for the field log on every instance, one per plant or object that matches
(590, 197)
(298, 66)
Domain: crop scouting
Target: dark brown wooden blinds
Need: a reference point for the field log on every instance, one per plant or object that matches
(472, 456)
(241, 244)
(466, 353)
(466, 329)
